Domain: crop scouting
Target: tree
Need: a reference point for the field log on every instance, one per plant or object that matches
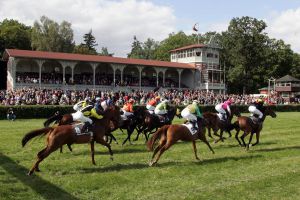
(90, 42)
(149, 47)
(136, 49)
(48, 35)
(244, 49)
(174, 41)
(104, 52)
(14, 35)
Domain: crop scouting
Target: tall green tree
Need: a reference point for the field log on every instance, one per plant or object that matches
(136, 49)
(104, 52)
(48, 35)
(149, 48)
(14, 35)
(244, 49)
(90, 42)
(175, 40)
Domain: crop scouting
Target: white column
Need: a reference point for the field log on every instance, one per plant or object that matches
(179, 77)
(140, 75)
(94, 66)
(40, 63)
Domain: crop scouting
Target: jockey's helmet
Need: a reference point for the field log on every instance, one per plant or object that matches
(87, 99)
(195, 101)
(98, 99)
(131, 100)
(157, 98)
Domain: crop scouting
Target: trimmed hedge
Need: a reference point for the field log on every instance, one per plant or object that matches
(39, 111)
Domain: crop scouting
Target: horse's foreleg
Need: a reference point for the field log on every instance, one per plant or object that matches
(209, 132)
(129, 132)
(93, 152)
(202, 137)
(242, 138)
(237, 137)
(69, 146)
(61, 149)
(195, 150)
(103, 142)
(257, 138)
(251, 135)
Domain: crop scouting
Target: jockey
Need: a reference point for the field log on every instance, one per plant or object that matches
(84, 110)
(106, 103)
(257, 108)
(128, 109)
(161, 109)
(152, 103)
(224, 109)
(192, 113)
(97, 111)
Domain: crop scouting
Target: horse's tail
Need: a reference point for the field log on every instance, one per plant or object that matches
(156, 136)
(56, 117)
(34, 133)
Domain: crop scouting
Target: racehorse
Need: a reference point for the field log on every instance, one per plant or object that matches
(152, 122)
(214, 123)
(66, 134)
(247, 125)
(65, 119)
(170, 134)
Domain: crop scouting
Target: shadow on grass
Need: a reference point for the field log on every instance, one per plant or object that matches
(106, 152)
(237, 145)
(278, 149)
(44, 188)
(162, 164)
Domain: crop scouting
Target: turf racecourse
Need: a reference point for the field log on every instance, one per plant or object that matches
(270, 170)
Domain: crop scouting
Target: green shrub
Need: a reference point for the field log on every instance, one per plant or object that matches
(39, 111)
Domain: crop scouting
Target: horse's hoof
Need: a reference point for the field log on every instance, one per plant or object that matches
(38, 170)
(151, 164)
(29, 173)
(111, 158)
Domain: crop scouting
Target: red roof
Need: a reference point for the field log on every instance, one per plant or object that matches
(189, 47)
(91, 58)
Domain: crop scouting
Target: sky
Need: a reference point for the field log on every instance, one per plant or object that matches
(115, 22)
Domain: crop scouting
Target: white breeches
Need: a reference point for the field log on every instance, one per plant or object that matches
(149, 107)
(104, 105)
(160, 112)
(185, 113)
(127, 113)
(76, 107)
(254, 110)
(219, 109)
(78, 116)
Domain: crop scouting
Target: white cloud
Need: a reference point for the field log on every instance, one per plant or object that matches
(286, 26)
(114, 23)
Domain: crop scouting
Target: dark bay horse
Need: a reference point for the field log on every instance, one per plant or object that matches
(152, 122)
(214, 123)
(169, 135)
(247, 125)
(65, 134)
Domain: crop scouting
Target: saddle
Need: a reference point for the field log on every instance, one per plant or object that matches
(78, 129)
(256, 121)
(192, 130)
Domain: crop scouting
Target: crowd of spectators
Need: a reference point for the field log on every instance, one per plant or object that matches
(34, 96)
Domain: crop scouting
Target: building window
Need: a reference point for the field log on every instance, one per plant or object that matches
(210, 55)
(198, 53)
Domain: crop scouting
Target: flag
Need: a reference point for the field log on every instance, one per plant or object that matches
(195, 27)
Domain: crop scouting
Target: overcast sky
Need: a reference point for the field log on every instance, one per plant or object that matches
(115, 22)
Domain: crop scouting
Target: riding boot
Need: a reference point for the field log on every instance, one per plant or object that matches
(194, 124)
(86, 127)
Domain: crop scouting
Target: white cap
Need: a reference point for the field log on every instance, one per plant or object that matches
(98, 98)
(195, 101)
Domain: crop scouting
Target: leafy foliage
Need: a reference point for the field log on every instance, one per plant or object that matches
(14, 35)
(48, 35)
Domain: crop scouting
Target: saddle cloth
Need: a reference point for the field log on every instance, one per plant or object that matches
(190, 127)
(78, 127)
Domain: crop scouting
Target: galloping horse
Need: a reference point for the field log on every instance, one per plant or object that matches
(65, 119)
(152, 122)
(247, 125)
(170, 134)
(214, 123)
(66, 134)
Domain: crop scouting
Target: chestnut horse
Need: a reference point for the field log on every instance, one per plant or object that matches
(214, 123)
(170, 134)
(247, 125)
(65, 134)
(65, 119)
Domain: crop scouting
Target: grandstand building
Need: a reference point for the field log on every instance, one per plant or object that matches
(191, 67)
